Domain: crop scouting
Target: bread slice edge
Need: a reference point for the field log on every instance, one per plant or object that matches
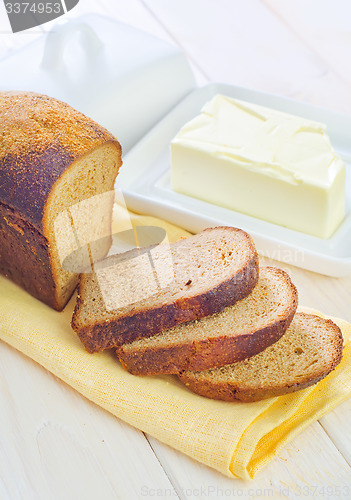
(230, 391)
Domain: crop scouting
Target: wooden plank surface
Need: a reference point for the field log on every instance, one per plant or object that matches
(267, 45)
(307, 465)
(53, 442)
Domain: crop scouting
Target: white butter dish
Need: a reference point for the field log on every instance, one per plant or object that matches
(145, 181)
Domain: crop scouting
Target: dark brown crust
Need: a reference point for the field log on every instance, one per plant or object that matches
(145, 323)
(24, 257)
(41, 137)
(232, 392)
(209, 353)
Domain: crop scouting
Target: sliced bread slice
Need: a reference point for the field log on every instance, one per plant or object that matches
(310, 349)
(187, 280)
(240, 331)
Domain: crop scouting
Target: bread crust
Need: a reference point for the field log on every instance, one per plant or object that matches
(42, 137)
(24, 253)
(145, 323)
(231, 392)
(208, 353)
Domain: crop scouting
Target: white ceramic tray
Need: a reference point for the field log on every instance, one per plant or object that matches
(145, 182)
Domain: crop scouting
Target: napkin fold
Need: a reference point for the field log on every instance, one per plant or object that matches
(237, 439)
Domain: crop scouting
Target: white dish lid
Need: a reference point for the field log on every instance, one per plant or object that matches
(123, 78)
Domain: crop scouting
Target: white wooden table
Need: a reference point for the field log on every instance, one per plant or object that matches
(54, 444)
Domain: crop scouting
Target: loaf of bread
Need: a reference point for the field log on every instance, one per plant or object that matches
(54, 162)
(309, 350)
(211, 270)
(238, 332)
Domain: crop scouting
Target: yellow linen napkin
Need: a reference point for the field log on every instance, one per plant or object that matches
(237, 439)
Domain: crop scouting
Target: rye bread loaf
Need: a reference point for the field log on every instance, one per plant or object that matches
(240, 331)
(210, 271)
(309, 350)
(52, 158)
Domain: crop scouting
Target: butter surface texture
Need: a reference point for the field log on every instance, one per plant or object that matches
(278, 167)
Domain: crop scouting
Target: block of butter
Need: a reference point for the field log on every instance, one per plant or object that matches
(265, 163)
